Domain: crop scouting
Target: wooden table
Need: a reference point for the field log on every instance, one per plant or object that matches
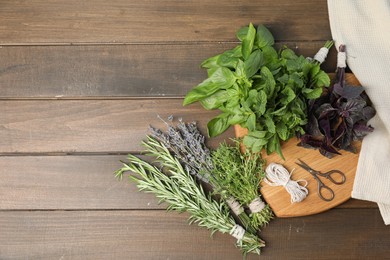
(79, 84)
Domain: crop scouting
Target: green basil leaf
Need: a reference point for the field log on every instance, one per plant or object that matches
(278, 148)
(270, 54)
(240, 69)
(270, 124)
(253, 63)
(242, 32)
(210, 62)
(282, 131)
(248, 41)
(218, 125)
(223, 77)
(268, 81)
(204, 89)
(227, 61)
(251, 123)
(262, 102)
(264, 37)
(237, 119)
(215, 100)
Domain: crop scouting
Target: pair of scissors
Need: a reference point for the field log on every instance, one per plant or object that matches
(338, 178)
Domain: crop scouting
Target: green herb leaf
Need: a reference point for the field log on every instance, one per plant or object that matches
(204, 89)
(312, 93)
(282, 131)
(218, 125)
(264, 37)
(270, 124)
(248, 41)
(215, 100)
(251, 123)
(253, 63)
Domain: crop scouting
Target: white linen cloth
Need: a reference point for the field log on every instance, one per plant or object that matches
(364, 27)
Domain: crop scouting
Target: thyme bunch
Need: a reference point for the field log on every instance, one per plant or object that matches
(240, 175)
(174, 185)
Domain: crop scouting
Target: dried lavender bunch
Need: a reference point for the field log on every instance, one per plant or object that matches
(188, 145)
(175, 186)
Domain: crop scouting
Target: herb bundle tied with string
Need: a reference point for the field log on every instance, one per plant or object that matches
(183, 161)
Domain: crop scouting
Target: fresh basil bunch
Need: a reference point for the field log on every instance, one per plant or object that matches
(259, 88)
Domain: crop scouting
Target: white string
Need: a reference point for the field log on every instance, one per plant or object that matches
(235, 206)
(256, 205)
(341, 58)
(321, 55)
(277, 175)
(237, 232)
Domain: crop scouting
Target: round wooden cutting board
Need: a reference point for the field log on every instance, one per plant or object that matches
(280, 200)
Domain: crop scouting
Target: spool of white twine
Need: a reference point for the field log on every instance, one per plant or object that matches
(277, 175)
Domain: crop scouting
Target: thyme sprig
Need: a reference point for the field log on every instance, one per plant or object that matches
(174, 185)
(240, 175)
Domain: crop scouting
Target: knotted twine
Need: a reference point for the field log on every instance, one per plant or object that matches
(234, 206)
(277, 175)
(321, 55)
(256, 205)
(237, 232)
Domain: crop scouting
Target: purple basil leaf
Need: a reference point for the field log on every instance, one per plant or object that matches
(325, 110)
(351, 91)
(368, 113)
(327, 146)
(339, 132)
(325, 126)
(312, 127)
(326, 153)
(361, 130)
(338, 89)
(308, 141)
(354, 104)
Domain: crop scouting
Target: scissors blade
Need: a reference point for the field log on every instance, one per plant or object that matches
(304, 166)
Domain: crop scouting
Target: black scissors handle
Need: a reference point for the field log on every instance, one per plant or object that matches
(338, 177)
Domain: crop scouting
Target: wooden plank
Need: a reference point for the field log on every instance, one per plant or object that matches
(68, 182)
(121, 21)
(69, 126)
(76, 182)
(114, 71)
(356, 234)
(355, 203)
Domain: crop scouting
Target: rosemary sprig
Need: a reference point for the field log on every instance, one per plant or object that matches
(188, 145)
(174, 185)
(240, 175)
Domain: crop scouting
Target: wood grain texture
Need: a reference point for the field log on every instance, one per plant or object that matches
(121, 21)
(114, 70)
(68, 182)
(75, 183)
(69, 126)
(160, 235)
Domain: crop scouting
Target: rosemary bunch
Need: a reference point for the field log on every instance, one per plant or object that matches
(240, 175)
(174, 185)
(188, 145)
